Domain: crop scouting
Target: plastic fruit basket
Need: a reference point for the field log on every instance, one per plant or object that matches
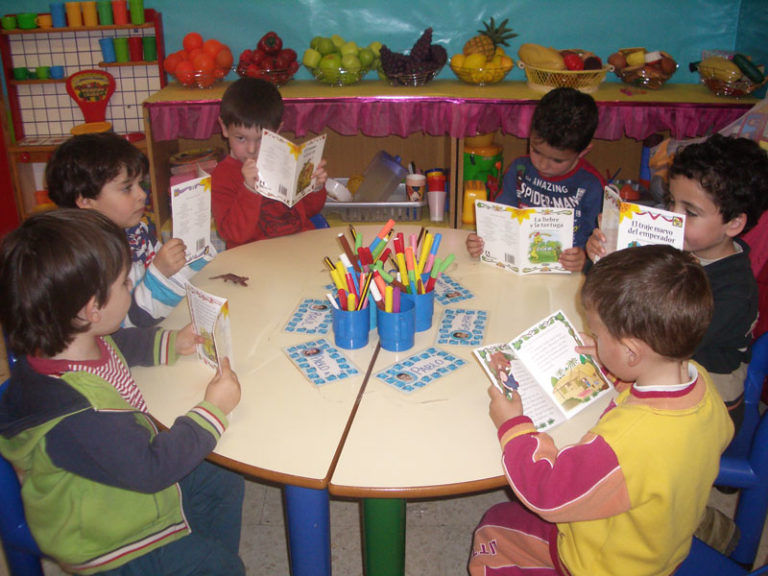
(276, 77)
(543, 80)
(482, 76)
(415, 79)
(339, 77)
(737, 88)
(644, 76)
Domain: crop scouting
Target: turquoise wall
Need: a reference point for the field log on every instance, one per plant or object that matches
(681, 27)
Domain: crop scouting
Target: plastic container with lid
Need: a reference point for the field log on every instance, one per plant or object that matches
(484, 163)
(381, 178)
(473, 190)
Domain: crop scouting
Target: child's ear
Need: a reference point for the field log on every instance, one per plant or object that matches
(585, 151)
(223, 127)
(633, 351)
(84, 203)
(91, 312)
(735, 225)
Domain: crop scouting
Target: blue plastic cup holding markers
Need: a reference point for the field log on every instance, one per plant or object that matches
(350, 329)
(397, 329)
(424, 305)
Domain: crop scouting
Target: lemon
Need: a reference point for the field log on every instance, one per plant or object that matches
(457, 60)
(474, 61)
(636, 58)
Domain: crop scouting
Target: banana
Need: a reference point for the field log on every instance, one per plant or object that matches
(720, 69)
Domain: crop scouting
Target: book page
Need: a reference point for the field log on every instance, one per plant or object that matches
(506, 371)
(628, 224)
(210, 317)
(571, 380)
(191, 209)
(524, 240)
(286, 169)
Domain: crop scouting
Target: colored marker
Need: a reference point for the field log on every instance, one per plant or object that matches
(388, 299)
(332, 300)
(382, 234)
(348, 252)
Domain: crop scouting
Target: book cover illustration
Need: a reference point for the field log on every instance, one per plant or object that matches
(210, 318)
(524, 240)
(460, 327)
(419, 370)
(191, 208)
(321, 362)
(449, 291)
(286, 169)
(544, 357)
(312, 316)
(628, 224)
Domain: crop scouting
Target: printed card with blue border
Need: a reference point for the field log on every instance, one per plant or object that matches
(448, 291)
(320, 362)
(416, 371)
(312, 316)
(459, 327)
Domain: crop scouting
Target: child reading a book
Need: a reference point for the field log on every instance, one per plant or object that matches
(721, 185)
(623, 499)
(555, 173)
(241, 214)
(104, 172)
(103, 490)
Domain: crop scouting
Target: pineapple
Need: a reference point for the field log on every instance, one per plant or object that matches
(487, 40)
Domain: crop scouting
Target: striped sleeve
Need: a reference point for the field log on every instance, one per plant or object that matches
(580, 482)
(209, 417)
(165, 347)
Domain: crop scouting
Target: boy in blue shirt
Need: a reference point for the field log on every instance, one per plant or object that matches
(555, 172)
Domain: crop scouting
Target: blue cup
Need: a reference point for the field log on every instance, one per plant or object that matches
(58, 14)
(57, 72)
(397, 329)
(108, 49)
(424, 305)
(350, 329)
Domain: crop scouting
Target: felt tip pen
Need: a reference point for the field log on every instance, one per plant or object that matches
(342, 295)
(377, 297)
(433, 275)
(383, 256)
(425, 246)
(336, 281)
(395, 299)
(410, 266)
(341, 272)
(348, 252)
(351, 303)
(352, 284)
(332, 300)
(401, 266)
(388, 299)
(382, 233)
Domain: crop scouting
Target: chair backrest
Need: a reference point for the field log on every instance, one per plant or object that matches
(21, 552)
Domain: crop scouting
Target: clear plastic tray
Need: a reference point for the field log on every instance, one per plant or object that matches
(397, 207)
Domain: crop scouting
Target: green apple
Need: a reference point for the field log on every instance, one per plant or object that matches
(375, 48)
(367, 57)
(314, 41)
(337, 40)
(351, 63)
(311, 58)
(325, 46)
(349, 48)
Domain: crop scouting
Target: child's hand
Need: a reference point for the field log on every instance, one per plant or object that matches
(224, 390)
(474, 245)
(250, 172)
(503, 408)
(572, 259)
(186, 339)
(596, 242)
(171, 257)
(321, 175)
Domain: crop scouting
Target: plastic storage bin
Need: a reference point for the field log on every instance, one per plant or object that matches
(397, 207)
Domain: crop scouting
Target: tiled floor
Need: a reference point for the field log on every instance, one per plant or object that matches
(438, 532)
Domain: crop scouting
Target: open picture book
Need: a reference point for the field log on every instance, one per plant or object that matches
(554, 381)
(286, 169)
(524, 240)
(210, 318)
(628, 224)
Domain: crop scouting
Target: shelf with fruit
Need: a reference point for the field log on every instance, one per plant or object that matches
(643, 68)
(482, 59)
(270, 60)
(336, 61)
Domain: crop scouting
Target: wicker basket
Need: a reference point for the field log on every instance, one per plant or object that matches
(543, 80)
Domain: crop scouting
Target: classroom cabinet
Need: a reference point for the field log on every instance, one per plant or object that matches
(42, 113)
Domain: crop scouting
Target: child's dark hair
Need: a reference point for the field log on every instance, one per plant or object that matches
(82, 165)
(252, 102)
(50, 267)
(732, 170)
(566, 119)
(656, 293)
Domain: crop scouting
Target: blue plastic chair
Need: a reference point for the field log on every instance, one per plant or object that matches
(21, 552)
(319, 221)
(744, 465)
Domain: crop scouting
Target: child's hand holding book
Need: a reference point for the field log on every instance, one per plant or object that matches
(223, 390)
(187, 340)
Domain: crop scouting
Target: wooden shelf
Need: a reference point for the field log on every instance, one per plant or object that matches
(130, 63)
(38, 81)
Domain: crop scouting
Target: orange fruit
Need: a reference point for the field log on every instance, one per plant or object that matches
(212, 46)
(171, 62)
(185, 72)
(224, 58)
(191, 41)
(203, 63)
(194, 53)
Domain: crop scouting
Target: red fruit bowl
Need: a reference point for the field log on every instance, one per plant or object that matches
(201, 79)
